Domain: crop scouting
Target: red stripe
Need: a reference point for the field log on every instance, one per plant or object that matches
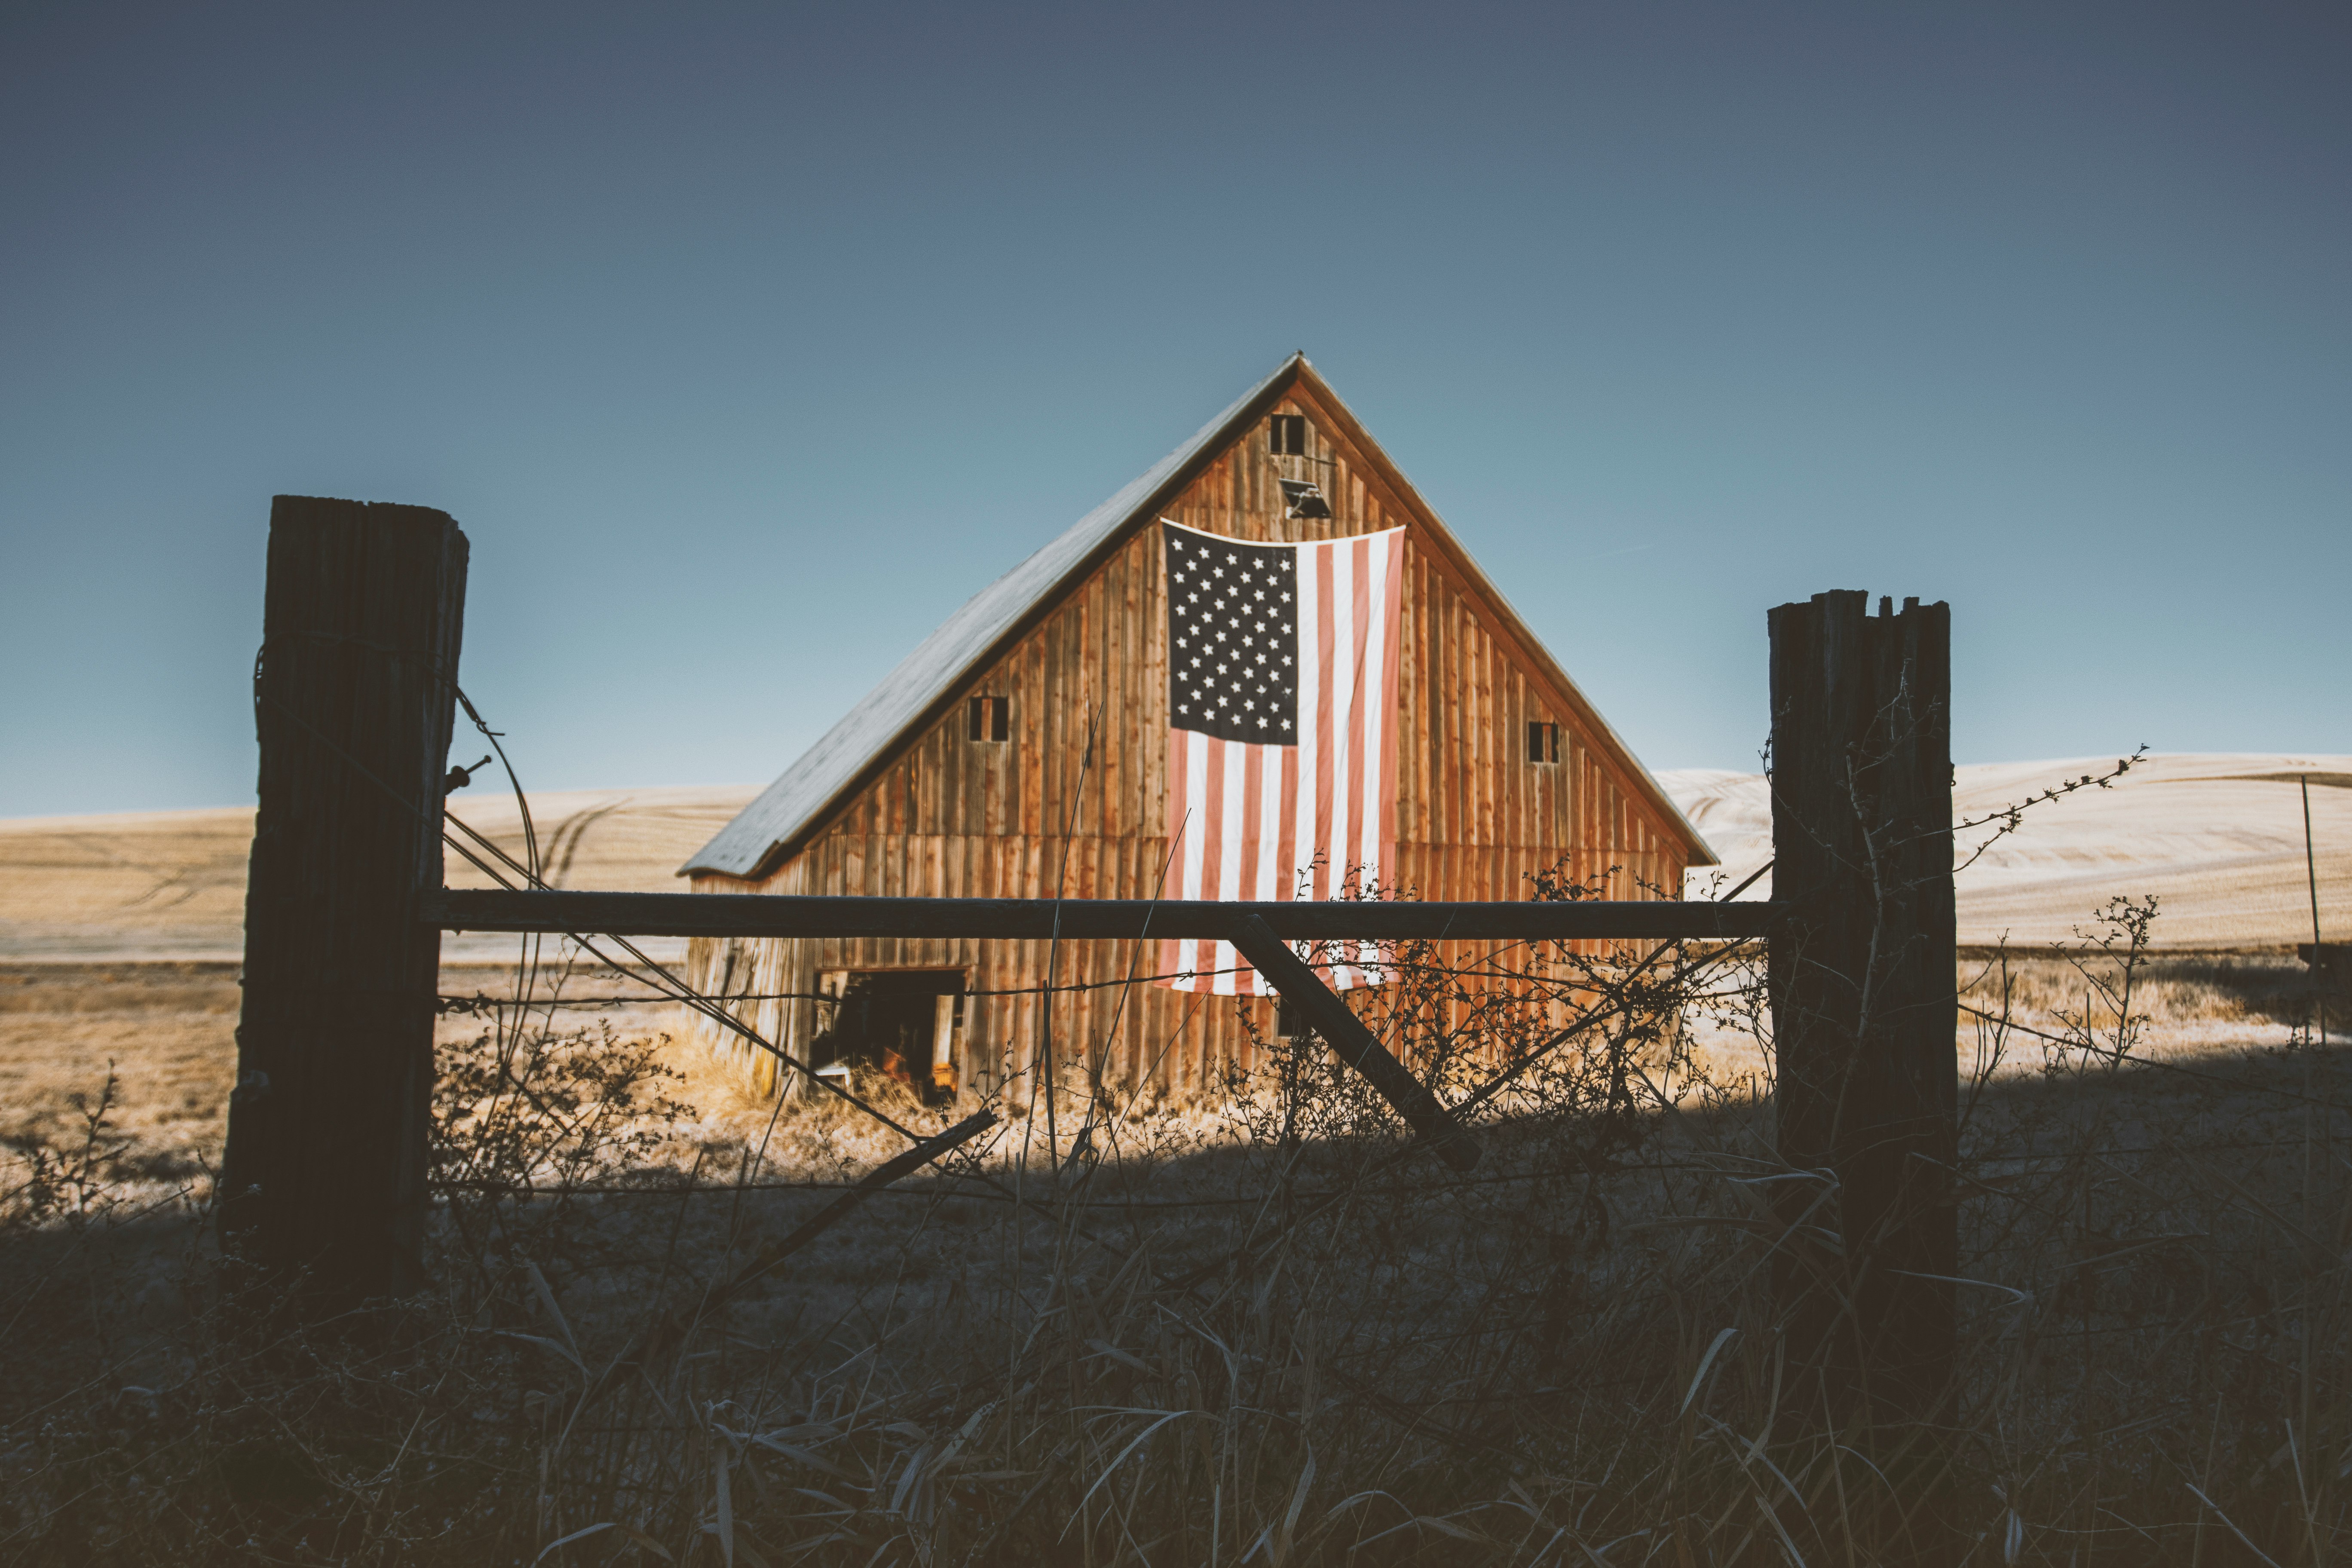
(1254, 845)
(1324, 635)
(1285, 864)
(1213, 820)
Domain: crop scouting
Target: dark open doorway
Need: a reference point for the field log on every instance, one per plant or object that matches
(902, 1022)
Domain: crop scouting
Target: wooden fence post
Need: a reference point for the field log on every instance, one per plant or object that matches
(1864, 1005)
(352, 698)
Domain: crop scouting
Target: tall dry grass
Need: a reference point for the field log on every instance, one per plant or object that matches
(1260, 1329)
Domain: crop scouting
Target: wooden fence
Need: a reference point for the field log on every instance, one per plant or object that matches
(354, 698)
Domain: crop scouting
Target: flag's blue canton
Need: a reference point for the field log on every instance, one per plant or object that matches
(1232, 638)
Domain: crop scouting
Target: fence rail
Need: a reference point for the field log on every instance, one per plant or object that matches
(1041, 919)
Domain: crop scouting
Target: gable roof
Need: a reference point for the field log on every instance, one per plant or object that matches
(911, 697)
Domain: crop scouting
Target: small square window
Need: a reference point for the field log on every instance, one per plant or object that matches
(1543, 743)
(1285, 435)
(989, 718)
(1289, 1023)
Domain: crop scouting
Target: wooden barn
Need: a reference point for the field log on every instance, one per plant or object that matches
(1033, 747)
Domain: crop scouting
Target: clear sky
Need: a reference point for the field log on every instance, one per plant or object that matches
(747, 341)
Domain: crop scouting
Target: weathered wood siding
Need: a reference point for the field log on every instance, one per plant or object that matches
(1043, 814)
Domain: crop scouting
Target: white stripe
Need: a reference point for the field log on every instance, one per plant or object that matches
(1309, 696)
(1342, 843)
(1196, 798)
(1196, 836)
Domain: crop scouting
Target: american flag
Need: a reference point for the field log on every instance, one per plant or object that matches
(1281, 765)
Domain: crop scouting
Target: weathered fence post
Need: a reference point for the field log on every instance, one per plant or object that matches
(353, 697)
(1864, 1005)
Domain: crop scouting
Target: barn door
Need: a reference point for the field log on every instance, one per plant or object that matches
(900, 1021)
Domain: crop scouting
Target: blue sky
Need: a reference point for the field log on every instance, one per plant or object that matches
(748, 341)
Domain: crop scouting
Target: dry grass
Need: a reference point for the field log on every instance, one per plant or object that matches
(1255, 1330)
(2219, 838)
(171, 884)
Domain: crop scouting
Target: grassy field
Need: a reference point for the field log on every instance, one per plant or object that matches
(1255, 1329)
(1202, 1341)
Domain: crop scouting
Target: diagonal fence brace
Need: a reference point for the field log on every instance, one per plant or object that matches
(1338, 1024)
(905, 1163)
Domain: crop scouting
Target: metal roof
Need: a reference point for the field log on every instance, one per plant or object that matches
(940, 663)
(910, 697)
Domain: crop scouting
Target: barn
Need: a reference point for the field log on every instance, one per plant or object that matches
(1043, 743)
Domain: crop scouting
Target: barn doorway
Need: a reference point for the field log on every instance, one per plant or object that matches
(901, 1022)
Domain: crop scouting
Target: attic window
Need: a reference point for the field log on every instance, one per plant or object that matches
(989, 718)
(1286, 436)
(1543, 744)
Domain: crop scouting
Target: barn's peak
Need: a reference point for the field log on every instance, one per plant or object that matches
(915, 694)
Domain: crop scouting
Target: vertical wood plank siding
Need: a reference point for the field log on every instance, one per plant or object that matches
(1038, 814)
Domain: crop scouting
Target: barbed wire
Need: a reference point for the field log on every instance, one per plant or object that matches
(504, 869)
(527, 967)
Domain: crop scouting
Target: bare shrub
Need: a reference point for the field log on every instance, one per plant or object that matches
(70, 1176)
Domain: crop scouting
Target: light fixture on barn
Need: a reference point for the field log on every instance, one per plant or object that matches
(1303, 498)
